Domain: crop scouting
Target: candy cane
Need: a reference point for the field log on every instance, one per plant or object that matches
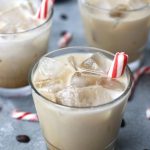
(45, 8)
(28, 116)
(118, 65)
(137, 75)
(140, 72)
(65, 40)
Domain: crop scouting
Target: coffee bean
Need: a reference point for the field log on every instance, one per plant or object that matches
(23, 138)
(63, 16)
(123, 123)
(63, 33)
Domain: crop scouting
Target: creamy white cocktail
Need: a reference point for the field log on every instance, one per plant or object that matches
(117, 25)
(23, 40)
(78, 106)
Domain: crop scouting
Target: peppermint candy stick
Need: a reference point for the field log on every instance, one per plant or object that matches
(28, 116)
(45, 8)
(136, 76)
(140, 72)
(65, 40)
(118, 65)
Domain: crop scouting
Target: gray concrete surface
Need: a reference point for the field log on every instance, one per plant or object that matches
(135, 135)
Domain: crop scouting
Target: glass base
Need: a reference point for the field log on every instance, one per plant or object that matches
(109, 147)
(135, 64)
(15, 92)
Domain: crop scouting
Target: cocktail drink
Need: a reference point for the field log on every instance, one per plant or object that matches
(117, 24)
(23, 40)
(78, 106)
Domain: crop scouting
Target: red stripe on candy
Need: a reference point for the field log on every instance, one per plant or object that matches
(118, 65)
(25, 114)
(65, 40)
(46, 9)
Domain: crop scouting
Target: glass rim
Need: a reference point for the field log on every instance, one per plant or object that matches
(147, 5)
(32, 29)
(31, 74)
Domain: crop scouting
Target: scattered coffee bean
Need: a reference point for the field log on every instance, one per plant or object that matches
(123, 123)
(63, 16)
(63, 33)
(22, 138)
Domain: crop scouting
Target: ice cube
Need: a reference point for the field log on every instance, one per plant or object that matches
(68, 96)
(83, 97)
(99, 3)
(49, 84)
(2, 26)
(5, 5)
(72, 62)
(49, 68)
(90, 64)
(119, 11)
(116, 3)
(49, 87)
(28, 6)
(97, 62)
(104, 4)
(49, 95)
(93, 96)
(137, 4)
(24, 16)
(83, 79)
(112, 84)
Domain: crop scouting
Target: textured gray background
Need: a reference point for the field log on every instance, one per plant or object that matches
(136, 134)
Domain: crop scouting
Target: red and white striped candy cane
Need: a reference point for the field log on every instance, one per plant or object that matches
(65, 40)
(45, 8)
(136, 76)
(140, 72)
(118, 65)
(28, 116)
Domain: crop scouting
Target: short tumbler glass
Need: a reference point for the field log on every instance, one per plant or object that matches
(18, 52)
(74, 128)
(115, 31)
